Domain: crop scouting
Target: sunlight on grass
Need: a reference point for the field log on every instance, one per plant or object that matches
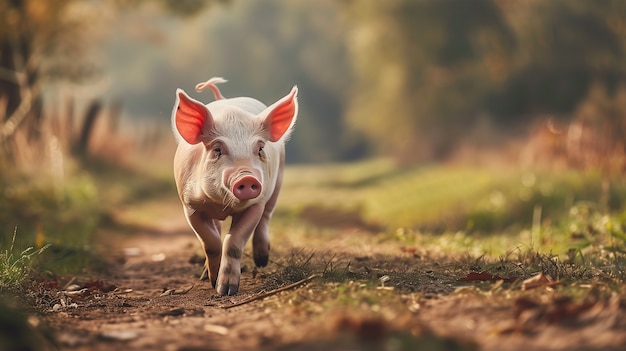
(459, 210)
(13, 268)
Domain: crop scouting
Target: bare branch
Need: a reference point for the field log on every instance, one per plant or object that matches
(270, 293)
(27, 94)
(9, 127)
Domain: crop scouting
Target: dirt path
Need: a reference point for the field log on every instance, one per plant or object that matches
(151, 299)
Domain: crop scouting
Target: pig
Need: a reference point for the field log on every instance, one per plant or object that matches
(229, 162)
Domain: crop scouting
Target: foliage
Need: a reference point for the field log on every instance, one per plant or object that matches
(49, 209)
(421, 71)
(429, 72)
(412, 80)
(13, 268)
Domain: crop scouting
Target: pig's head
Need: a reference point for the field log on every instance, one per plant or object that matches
(239, 148)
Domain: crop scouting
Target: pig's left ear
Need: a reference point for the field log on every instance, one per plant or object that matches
(281, 116)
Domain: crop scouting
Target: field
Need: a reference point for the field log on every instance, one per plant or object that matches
(365, 256)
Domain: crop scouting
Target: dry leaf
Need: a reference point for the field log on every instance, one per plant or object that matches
(537, 281)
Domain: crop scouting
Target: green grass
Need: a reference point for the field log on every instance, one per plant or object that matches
(442, 209)
(464, 210)
(14, 268)
(67, 211)
(47, 211)
(444, 197)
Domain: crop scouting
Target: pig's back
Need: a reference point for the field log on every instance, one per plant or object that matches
(247, 104)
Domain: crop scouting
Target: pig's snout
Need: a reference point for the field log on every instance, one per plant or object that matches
(246, 188)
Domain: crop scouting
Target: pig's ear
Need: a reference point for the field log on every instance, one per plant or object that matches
(190, 117)
(280, 116)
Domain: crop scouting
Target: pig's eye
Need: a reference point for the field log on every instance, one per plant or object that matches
(260, 151)
(217, 152)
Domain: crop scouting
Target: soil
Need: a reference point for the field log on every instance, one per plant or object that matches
(150, 298)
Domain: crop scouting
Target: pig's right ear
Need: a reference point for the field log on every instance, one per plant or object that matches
(190, 118)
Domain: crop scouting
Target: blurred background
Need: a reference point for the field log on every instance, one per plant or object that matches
(87, 88)
(412, 80)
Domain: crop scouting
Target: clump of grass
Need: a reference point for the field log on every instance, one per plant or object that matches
(297, 267)
(13, 269)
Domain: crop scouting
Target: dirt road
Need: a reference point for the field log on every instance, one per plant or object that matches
(150, 299)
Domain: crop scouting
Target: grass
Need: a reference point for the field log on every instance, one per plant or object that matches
(62, 213)
(502, 216)
(67, 210)
(443, 198)
(14, 268)
(451, 220)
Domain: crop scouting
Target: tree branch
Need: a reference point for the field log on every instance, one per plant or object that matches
(271, 292)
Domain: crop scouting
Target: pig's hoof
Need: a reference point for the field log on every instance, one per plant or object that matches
(229, 290)
(261, 261)
(232, 289)
(214, 283)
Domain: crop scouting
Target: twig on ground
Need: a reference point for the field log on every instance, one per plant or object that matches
(271, 292)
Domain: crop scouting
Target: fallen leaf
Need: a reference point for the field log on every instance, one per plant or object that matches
(537, 281)
(94, 285)
(50, 284)
(99, 285)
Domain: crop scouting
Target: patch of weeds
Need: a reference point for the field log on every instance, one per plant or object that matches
(51, 211)
(62, 212)
(295, 268)
(341, 271)
(577, 278)
(13, 268)
(514, 201)
(597, 241)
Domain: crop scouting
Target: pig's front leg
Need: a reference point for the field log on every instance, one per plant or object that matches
(232, 249)
(208, 232)
(261, 238)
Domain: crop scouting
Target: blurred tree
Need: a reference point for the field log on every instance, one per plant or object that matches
(422, 68)
(29, 29)
(265, 47)
(47, 40)
(427, 71)
(565, 47)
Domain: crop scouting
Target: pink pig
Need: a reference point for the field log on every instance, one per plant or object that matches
(229, 162)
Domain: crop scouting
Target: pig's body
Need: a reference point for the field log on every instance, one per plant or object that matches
(229, 162)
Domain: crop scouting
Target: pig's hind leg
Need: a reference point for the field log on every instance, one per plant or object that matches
(208, 232)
